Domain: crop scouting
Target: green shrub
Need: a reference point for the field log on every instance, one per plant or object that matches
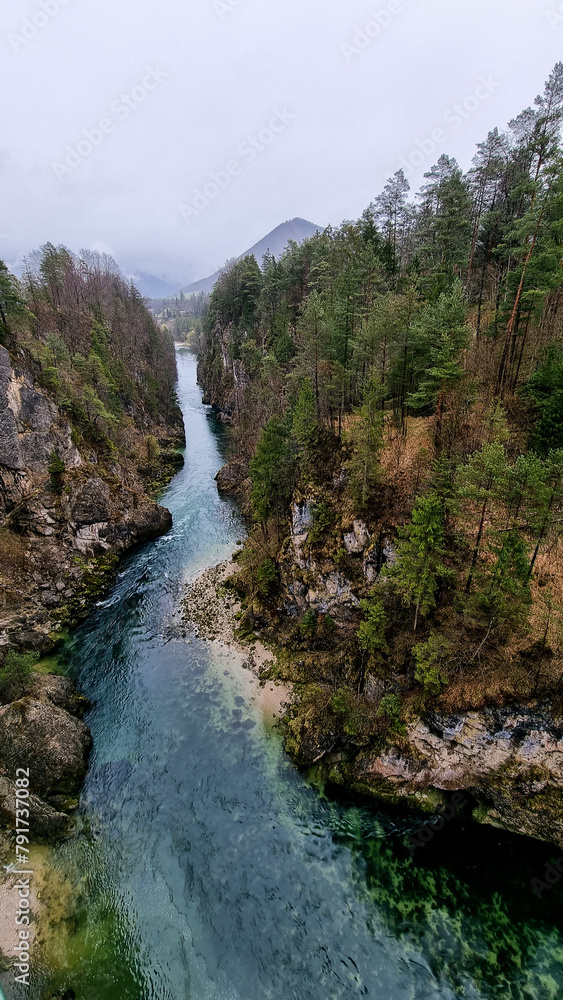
(308, 625)
(353, 712)
(323, 519)
(153, 448)
(16, 673)
(267, 577)
(371, 632)
(55, 469)
(391, 710)
(430, 659)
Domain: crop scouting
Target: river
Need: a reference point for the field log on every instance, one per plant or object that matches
(205, 867)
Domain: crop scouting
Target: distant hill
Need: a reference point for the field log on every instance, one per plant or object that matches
(153, 287)
(276, 242)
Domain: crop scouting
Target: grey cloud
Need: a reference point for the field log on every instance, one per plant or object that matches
(363, 99)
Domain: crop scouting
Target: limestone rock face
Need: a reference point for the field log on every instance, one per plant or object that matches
(10, 454)
(53, 531)
(358, 539)
(302, 519)
(31, 426)
(91, 503)
(310, 583)
(510, 760)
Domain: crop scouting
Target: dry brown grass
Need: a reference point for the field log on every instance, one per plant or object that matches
(407, 452)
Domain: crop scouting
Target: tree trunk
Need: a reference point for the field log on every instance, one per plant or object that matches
(512, 323)
(477, 547)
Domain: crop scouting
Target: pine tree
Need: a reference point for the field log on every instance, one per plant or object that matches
(485, 177)
(305, 427)
(392, 212)
(440, 335)
(537, 133)
(366, 438)
(548, 502)
(11, 301)
(482, 482)
(420, 567)
(313, 341)
(444, 221)
(271, 472)
(504, 597)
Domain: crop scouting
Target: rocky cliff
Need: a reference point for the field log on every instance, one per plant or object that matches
(43, 733)
(60, 535)
(507, 760)
(59, 530)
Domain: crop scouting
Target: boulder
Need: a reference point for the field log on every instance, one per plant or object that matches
(45, 823)
(510, 760)
(91, 503)
(61, 692)
(53, 744)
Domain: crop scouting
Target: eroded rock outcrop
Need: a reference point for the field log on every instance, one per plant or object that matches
(58, 531)
(311, 582)
(43, 732)
(509, 760)
(67, 511)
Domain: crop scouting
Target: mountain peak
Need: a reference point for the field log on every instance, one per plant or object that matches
(275, 243)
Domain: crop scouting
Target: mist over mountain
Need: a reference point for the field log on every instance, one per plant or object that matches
(275, 242)
(153, 287)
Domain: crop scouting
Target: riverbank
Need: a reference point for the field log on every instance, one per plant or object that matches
(212, 611)
(50, 906)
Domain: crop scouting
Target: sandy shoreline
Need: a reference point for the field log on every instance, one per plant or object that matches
(50, 900)
(210, 610)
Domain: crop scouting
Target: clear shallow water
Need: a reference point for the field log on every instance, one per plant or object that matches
(207, 868)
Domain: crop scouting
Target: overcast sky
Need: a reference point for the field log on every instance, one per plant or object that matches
(176, 134)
